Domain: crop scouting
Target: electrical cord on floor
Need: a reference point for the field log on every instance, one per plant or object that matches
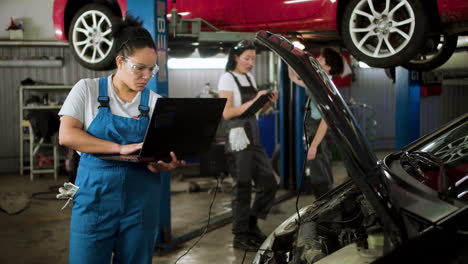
(245, 253)
(207, 224)
(53, 190)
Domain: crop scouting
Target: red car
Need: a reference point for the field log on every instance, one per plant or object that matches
(382, 33)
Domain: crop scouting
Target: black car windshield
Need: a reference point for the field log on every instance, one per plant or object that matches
(451, 148)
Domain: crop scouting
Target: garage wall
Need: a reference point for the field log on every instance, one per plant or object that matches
(440, 109)
(36, 16)
(11, 77)
(372, 86)
(190, 82)
(182, 83)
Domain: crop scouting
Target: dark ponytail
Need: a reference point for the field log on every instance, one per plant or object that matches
(129, 34)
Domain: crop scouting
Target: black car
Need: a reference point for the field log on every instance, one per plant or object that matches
(410, 207)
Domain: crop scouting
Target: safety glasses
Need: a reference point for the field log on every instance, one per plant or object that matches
(139, 69)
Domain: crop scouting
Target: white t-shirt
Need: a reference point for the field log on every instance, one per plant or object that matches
(227, 83)
(82, 103)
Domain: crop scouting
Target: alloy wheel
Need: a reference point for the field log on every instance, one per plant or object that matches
(382, 29)
(91, 36)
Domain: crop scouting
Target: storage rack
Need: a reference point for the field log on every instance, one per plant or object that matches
(28, 137)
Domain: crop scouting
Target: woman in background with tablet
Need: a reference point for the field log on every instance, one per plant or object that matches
(247, 158)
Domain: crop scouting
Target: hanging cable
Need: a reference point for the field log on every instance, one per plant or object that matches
(207, 224)
(49, 195)
(307, 109)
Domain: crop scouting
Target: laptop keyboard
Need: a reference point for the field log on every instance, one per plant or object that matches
(128, 157)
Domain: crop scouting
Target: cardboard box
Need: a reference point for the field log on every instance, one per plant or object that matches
(16, 34)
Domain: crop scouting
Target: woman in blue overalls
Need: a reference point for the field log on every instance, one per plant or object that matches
(246, 156)
(115, 210)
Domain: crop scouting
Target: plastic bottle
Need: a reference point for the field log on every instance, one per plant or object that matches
(206, 91)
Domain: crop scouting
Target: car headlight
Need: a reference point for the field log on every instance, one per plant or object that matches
(288, 226)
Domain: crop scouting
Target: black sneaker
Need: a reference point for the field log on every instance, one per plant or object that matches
(245, 242)
(257, 234)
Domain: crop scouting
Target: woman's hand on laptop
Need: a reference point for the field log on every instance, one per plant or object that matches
(130, 148)
(162, 166)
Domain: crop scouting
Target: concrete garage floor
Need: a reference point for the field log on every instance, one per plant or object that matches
(39, 233)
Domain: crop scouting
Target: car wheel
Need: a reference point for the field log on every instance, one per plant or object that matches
(90, 37)
(384, 33)
(434, 53)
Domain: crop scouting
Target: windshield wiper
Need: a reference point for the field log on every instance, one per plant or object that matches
(415, 158)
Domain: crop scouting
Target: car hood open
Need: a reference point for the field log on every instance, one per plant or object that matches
(359, 159)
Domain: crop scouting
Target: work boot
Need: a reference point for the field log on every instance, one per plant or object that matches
(245, 242)
(255, 231)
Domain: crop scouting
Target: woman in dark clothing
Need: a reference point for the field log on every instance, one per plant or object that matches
(247, 158)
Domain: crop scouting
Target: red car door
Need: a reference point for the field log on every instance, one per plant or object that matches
(217, 12)
(290, 15)
(267, 11)
(453, 10)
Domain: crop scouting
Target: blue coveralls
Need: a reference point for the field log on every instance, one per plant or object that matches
(116, 206)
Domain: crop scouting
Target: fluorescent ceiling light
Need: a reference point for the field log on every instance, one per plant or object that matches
(197, 63)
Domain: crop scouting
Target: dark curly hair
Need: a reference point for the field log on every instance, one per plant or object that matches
(334, 60)
(129, 35)
(238, 49)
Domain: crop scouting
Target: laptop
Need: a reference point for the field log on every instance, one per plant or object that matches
(185, 126)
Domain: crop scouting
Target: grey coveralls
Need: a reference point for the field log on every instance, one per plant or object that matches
(321, 176)
(249, 164)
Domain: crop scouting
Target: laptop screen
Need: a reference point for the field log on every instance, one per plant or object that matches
(186, 126)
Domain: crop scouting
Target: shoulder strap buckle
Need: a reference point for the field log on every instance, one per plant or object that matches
(103, 101)
(144, 110)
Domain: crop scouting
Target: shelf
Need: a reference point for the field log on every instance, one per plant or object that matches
(43, 144)
(31, 63)
(38, 171)
(27, 139)
(43, 107)
(25, 43)
(46, 87)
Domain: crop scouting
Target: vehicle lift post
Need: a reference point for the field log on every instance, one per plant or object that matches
(292, 101)
(407, 106)
(153, 15)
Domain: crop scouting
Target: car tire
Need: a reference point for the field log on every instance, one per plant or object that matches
(439, 49)
(386, 35)
(90, 37)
